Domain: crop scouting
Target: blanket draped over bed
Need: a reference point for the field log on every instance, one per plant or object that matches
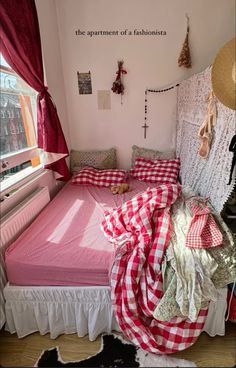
(140, 230)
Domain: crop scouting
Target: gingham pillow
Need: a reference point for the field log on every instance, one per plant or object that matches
(151, 154)
(156, 171)
(100, 178)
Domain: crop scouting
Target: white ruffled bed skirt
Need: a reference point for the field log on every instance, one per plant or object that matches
(59, 310)
(82, 310)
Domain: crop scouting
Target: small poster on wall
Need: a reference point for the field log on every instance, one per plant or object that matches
(84, 83)
(104, 100)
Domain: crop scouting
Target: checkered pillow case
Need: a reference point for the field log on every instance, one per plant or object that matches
(100, 178)
(156, 171)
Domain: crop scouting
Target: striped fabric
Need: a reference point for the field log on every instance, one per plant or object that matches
(156, 171)
(101, 178)
(140, 230)
(203, 232)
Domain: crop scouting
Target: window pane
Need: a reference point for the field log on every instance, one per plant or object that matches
(17, 123)
(18, 110)
(13, 134)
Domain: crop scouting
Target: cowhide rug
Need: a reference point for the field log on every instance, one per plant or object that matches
(114, 352)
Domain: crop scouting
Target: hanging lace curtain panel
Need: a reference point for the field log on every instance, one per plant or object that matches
(207, 177)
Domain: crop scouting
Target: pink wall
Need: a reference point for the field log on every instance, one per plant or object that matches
(52, 59)
(151, 62)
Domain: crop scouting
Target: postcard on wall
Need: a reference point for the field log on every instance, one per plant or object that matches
(104, 100)
(84, 83)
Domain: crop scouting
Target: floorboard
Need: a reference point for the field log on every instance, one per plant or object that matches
(218, 351)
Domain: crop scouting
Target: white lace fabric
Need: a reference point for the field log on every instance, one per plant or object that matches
(208, 177)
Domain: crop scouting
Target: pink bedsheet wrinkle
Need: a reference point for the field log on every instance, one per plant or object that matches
(65, 244)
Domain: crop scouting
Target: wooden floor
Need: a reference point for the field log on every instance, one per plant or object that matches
(207, 352)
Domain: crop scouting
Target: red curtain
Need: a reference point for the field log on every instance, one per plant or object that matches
(21, 48)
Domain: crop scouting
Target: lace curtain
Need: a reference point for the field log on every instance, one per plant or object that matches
(207, 177)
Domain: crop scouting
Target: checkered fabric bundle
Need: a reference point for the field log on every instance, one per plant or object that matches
(101, 178)
(140, 230)
(203, 232)
(156, 171)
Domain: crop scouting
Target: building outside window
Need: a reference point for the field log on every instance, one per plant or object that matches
(18, 143)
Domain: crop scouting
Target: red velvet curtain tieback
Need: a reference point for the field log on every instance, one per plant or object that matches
(44, 91)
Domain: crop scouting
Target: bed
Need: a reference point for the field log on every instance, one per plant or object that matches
(56, 293)
(58, 269)
(49, 253)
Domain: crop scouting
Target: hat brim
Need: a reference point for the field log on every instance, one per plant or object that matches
(223, 75)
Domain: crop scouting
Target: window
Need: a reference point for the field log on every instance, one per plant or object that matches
(18, 144)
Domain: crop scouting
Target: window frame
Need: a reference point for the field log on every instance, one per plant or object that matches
(12, 159)
(19, 179)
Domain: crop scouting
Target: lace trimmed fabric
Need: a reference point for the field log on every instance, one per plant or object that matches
(192, 277)
(207, 177)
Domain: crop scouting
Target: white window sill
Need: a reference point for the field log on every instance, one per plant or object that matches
(22, 177)
(15, 158)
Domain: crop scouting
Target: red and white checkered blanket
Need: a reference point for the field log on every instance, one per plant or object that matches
(140, 229)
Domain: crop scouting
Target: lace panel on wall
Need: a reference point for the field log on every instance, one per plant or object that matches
(207, 177)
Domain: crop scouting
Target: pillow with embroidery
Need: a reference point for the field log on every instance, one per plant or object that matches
(150, 154)
(156, 171)
(100, 178)
(99, 159)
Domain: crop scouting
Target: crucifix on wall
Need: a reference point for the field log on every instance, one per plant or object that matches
(145, 126)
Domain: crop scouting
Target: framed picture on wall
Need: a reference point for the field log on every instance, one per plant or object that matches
(84, 83)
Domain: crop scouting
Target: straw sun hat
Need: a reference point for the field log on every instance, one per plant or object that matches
(223, 76)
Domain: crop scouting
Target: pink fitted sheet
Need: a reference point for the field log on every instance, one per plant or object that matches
(65, 244)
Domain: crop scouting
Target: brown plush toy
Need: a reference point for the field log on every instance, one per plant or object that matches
(120, 188)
